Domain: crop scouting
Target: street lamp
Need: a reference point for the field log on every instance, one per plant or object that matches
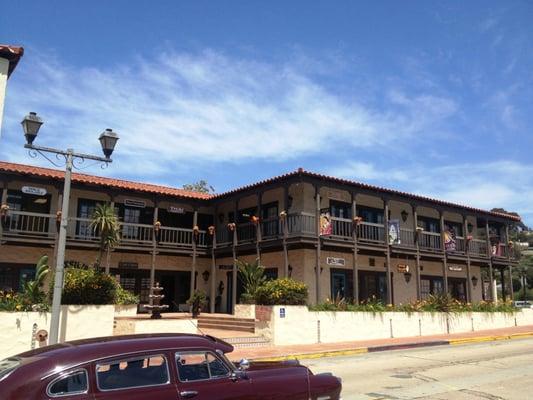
(108, 139)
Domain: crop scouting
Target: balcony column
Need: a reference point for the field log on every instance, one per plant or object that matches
(469, 288)
(258, 226)
(154, 251)
(489, 255)
(502, 278)
(56, 236)
(194, 240)
(3, 200)
(318, 244)
(212, 287)
(285, 227)
(417, 256)
(390, 299)
(511, 290)
(355, 251)
(234, 253)
(444, 255)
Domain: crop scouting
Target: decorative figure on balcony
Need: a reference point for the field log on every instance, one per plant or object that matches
(156, 307)
(4, 209)
(211, 230)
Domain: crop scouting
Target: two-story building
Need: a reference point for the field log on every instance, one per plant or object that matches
(342, 238)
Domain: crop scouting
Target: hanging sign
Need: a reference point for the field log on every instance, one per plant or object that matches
(135, 203)
(325, 223)
(455, 268)
(176, 210)
(35, 191)
(450, 242)
(335, 261)
(394, 231)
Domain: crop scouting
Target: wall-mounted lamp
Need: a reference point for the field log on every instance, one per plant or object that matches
(321, 269)
(404, 215)
(407, 277)
(205, 275)
(470, 227)
(290, 271)
(474, 281)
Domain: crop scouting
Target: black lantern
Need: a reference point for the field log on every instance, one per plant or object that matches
(474, 281)
(205, 275)
(31, 125)
(404, 215)
(108, 140)
(407, 277)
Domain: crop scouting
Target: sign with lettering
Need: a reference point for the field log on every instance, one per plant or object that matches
(455, 268)
(335, 261)
(35, 191)
(282, 312)
(176, 210)
(128, 265)
(402, 268)
(135, 203)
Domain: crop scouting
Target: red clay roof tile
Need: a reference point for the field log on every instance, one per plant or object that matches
(11, 53)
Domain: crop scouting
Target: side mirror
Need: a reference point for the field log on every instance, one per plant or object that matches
(244, 364)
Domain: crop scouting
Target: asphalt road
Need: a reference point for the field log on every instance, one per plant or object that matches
(495, 370)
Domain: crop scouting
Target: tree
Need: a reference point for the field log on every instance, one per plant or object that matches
(105, 222)
(32, 289)
(252, 276)
(201, 187)
(524, 273)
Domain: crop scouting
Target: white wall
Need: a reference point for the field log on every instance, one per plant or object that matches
(301, 326)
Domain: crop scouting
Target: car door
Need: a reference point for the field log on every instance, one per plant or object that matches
(139, 377)
(204, 375)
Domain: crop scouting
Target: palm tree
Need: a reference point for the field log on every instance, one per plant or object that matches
(252, 276)
(32, 289)
(105, 222)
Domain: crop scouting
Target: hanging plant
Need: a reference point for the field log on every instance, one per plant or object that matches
(283, 214)
(231, 226)
(4, 209)
(357, 220)
(157, 226)
(211, 230)
(254, 219)
(196, 230)
(469, 238)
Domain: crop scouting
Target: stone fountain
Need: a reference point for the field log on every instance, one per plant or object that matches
(156, 307)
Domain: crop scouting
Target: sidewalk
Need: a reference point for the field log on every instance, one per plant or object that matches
(275, 353)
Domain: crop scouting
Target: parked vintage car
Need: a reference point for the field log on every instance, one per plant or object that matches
(162, 367)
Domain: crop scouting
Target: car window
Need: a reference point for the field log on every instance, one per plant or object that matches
(8, 365)
(195, 366)
(75, 382)
(132, 372)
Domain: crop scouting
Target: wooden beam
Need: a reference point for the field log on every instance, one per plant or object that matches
(285, 228)
(417, 256)
(469, 288)
(444, 254)
(489, 255)
(234, 254)
(388, 279)
(154, 253)
(3, 201)
(318, 245)
(212, 291)
(258, 226)
(194, 240)
(355, 264)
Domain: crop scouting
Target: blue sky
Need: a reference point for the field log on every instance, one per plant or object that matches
(429, 97)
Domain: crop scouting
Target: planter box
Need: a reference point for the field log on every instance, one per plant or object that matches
(245, 311)
(126, 310)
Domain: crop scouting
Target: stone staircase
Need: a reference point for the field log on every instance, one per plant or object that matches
(229, 323)
(246, 342)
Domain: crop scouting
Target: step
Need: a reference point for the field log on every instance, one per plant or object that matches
(224, 319)
(226, 322)
(248, 342)
(227, 327)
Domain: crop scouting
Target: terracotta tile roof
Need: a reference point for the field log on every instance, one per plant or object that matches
(11, 53)
(100, 181)
(302, 172)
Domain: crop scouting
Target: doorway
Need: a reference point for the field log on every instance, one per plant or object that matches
(176, 288)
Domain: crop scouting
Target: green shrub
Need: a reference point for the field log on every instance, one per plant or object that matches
(125, 297)
(88, 286)
(11, 301)
(283, 292)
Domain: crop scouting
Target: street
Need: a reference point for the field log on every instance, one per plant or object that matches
(495, 370)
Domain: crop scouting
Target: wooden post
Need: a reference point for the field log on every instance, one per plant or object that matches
(318, 244)
(258, 226)
(390, 299)
(355, 251)
(489, 254)
(511, 290)
(469, 288)
(509, 261)
(212, 292)
(444, 255)
(234, 253)
(56, 237)
(502, 278)
(154, 252)
(285, 233)
(194, 240)
(417, 256)
(3, 200)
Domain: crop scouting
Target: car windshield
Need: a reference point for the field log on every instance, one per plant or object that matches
(8, 365)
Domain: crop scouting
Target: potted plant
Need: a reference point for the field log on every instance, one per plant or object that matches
(197, 301)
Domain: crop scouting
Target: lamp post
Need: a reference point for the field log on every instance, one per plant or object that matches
(108, 139)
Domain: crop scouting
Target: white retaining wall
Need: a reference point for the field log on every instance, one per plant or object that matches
(76, 322)
(301, 326)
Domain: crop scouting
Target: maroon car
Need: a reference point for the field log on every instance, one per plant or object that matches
(161, 367)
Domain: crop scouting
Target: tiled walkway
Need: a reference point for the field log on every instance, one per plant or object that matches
(312, 349)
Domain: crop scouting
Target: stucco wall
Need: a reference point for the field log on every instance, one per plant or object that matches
(301, 326)
(77, 322)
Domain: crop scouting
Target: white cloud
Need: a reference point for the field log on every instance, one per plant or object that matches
(190, 109)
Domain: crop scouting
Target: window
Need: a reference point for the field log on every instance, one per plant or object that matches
(67, 385)
(430, 286)
(340, 209)
(429, 224)
(85, 211)
(196, 366)
(455, 227)
(8, 365)
(133, 372)
(372, 215)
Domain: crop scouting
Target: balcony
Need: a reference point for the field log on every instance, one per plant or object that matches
(19, 226)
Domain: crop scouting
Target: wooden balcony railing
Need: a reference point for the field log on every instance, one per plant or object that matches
(341, 227)
(370, 232)
(271, 228)
(430, 241)
(29, 224)
(246, 232)
(478, 247)
(302, 223)
(407, 237)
